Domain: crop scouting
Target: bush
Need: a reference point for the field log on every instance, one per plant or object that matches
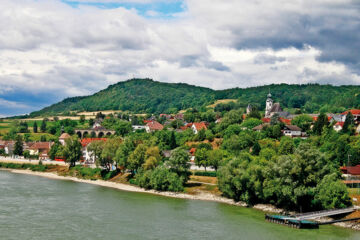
(161, 179)
(205, 174)
(106, 175)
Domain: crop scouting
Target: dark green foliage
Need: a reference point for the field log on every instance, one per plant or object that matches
(35, 127)
(161, 179)
(321, 122)
(145, 95)
(349, 123)
(72, 151)
(43, 126)
(206, 174)
(18, 148)
(304, 181)
(179, 163)
(32, 167)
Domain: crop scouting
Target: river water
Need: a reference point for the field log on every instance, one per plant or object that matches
(33, 207)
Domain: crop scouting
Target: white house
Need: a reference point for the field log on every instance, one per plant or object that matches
(138, 127)
(196, 127)
(292, 131)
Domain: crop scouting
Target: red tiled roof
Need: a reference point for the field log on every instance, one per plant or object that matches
(154, 125)
(286, 121)
(265, 120)
(147, 121)
(200, 126)
(41, 145)
(353, 112)
(351, 170)
(316, 118)
(86, 141)
(192, 151)
(340, 124)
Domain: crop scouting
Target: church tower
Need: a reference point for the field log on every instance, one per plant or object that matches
(269, 105)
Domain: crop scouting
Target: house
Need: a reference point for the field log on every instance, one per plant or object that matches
(292, 131)
(138, 127)
(9, 147)
(354, 112)
(218, 120)
(87, 155)
(63, 137)
(153, 126)
(41, 149)
(288, 130)
(338, 126)
(196, 127)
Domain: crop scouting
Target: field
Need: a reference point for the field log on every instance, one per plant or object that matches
(224, 101)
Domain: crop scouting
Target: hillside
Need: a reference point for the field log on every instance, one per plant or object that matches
(137, 95)
(148, 96)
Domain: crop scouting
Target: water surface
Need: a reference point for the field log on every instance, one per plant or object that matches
(33, 207)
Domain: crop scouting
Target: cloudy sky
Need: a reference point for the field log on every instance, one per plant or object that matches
(52, 49)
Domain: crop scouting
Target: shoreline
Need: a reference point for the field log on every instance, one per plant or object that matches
(202, 197)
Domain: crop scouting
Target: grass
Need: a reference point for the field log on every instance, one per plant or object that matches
(224, 101)
(32, 167)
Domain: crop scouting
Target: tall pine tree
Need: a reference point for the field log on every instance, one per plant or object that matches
(35, 127)
(349, 123)
(43, 126)
(18, 148)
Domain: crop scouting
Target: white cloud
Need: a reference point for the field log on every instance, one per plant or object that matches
(50, 47)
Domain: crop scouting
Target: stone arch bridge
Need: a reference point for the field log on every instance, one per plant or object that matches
(94, 133)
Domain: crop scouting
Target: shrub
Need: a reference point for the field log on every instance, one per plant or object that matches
(206, 174)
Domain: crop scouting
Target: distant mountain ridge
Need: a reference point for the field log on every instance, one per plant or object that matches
(148, 96)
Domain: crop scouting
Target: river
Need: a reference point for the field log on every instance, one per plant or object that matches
(33, 207)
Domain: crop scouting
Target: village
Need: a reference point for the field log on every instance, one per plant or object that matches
(273, 114)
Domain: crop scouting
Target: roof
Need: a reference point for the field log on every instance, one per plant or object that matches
(293, 127)
(154, 125)
(192, 151)
(199, 126)
(286, 121)
(266, 120)
(339, 124)
(261, 126)
(351, 170)
(276, 108)
(86, 141)
(41, 145)
(353, 112)
(64, 136)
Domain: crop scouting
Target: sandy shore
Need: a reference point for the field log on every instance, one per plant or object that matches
(201, 196)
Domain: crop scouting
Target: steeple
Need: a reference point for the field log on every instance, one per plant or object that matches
(269, 105)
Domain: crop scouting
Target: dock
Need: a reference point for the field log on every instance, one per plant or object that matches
(307, 220)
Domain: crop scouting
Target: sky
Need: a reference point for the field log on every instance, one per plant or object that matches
(53, 49)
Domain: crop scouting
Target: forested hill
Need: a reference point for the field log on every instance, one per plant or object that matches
(137, 95)
(148, 96)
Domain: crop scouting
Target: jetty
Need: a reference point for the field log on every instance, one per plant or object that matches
(307, 220)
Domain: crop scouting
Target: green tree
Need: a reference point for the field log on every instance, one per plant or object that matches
(96, 148)
(321, 122)
(287, 146)
(215, 158)
(123, 152)
(82, 119)
(201, 157)
(331, 193)
(137, 158)
(179, 163)
(43, 126)
(18, 148)
(72, 151)
(256, 148)
(349, 123)
(109, 151)
(123, 127)
(35, 127)
(302, 121)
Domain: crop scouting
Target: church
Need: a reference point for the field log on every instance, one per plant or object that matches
(274, 108)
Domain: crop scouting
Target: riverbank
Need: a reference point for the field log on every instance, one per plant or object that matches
(200, 196)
